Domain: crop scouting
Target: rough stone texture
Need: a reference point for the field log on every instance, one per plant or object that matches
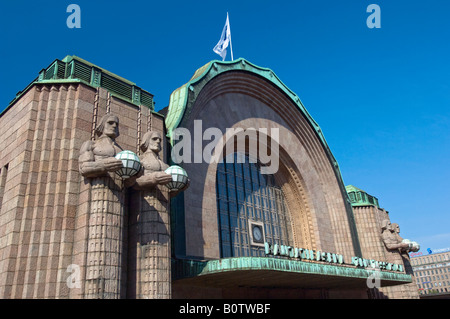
(150, 249)
(369, 221)
(45, 216)
(41, 192)
(106, 242)
(56, 226)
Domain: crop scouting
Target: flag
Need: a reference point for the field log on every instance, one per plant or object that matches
(225, 40)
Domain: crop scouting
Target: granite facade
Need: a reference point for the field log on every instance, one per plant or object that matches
(56, 225)
(63, 235)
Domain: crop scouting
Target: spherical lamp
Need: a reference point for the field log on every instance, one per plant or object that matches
(179, 178)
(131, 164)
(407, 241)
(415, 247)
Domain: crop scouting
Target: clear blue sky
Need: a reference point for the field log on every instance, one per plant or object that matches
(381, 96)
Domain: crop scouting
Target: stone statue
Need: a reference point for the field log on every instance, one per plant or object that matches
(397, 253)
(149, 224)
(106, 212)
(396, 229)
(391, 238)
(97, 157)
(153, 167)
(152, 172)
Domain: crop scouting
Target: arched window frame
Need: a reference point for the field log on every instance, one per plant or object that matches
(249, 203)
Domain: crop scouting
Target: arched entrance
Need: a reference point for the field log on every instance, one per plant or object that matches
(208, 224)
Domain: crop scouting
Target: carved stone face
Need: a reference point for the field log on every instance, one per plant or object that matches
(111, 127)
(155, 142)
(395, 227)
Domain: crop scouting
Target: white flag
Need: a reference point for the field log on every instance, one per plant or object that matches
(225, 40)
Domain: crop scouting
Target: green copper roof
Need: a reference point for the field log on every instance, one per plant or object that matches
(358, 197)
(351, 188)
(73, 69)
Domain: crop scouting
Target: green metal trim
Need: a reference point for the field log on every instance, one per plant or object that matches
(194, 268)
(65, 71)
(56, 81)
(358, 197)
(96, 77)
(70, 58)
(180, 97)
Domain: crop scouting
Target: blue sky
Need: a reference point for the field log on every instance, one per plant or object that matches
(381, 96)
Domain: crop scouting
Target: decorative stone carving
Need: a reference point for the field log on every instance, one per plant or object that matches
(150, 272)
(148, 237)
(105, 242)
(153, 167)
(398, 249)
(391, 238)
(413, 246)
(97, 157)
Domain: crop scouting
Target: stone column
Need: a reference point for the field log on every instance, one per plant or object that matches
(397, 252)
(105, 239)
(106, 212)
(150, 273)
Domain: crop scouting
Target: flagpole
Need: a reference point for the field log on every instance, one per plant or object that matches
(231, 45)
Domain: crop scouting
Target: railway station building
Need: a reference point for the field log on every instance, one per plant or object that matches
(264, 212)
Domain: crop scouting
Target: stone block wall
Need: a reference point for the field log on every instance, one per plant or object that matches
(369, 222)
(44, 201)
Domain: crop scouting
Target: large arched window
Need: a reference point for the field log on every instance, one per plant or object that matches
(251, 208)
